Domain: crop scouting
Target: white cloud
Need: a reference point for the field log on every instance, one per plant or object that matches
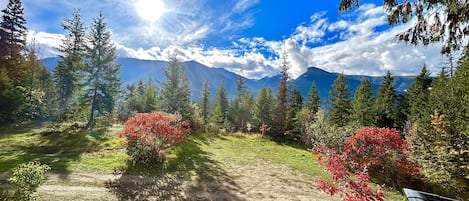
(351, 45)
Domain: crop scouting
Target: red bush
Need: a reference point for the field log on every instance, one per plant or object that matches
(379, 151)
(149, 135)
(349, 185)
(382, 151)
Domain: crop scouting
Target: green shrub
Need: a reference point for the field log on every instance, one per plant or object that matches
(27, 178)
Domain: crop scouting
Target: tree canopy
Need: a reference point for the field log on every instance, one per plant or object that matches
(436, 21)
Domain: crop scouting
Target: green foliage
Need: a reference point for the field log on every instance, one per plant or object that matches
(13, 29)
(385, 103)
(440, 144)
(69, 72)
(241, 107)
(219, 116)
(313, 103)
(103, 82)
(362, 104)
(321, 131)
(418, 96)
(449, 25)
(264, 108)
(27, 178)
(205, 101)
(140, 98)
(175, 93)
(11, 98)
(280, 117)
(340, 103)
(296, 104)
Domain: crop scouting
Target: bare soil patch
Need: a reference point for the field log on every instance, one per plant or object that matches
(262, 181)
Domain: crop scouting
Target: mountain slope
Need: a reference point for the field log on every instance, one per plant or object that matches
(133, 70)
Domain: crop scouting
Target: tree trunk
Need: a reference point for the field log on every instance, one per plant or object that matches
(93, 103)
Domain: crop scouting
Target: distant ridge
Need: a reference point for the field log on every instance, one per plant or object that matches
(133, 70)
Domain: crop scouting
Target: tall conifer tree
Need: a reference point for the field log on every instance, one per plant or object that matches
(340, 103)
(418, 97)
(69, 70)
(103, 81)
(282, 98)
(386, 102)
(175, 90)
(362, 104)
(313, 103)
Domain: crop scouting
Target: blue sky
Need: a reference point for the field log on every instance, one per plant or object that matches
(245, 36)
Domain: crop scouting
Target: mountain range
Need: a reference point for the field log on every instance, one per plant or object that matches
(133, 70)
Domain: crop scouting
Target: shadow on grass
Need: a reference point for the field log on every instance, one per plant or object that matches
(54, 147)
(189, 174)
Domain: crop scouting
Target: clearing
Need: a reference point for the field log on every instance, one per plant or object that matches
(92, 165)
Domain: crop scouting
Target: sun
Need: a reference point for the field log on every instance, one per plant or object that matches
(150, 10)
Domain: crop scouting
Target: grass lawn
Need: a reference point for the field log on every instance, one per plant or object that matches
(68, 150)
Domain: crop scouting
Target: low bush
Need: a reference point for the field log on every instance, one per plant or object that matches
(379, 152)
(27, 178)
(150, 136)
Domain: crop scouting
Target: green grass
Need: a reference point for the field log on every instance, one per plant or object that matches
(64, 150)
(201, 155)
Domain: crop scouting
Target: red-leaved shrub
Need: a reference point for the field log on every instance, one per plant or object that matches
(149, 136)
(380, 152)
(349, 185)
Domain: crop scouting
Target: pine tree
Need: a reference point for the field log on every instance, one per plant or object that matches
(313, 103)
(262, 111)
(13, 29)
(296, 104)
(385, 103)
(150, 97)
(362, 104)
(219, 115)
(103, 81)
(175, 91)
(282, 103)
(205, 105)
(241, 106)
(340, 103)
(69, 71)
(12, 44)
(418, 97)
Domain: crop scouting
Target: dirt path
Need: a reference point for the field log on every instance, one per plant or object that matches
(263, 181)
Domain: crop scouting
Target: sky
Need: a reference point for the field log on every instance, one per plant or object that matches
(247, 37)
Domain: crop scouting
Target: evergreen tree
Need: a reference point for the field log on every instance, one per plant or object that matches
(219, 115)
(449, 25)
(175, 92)
(340, 103)
(402, 111)
(205, 105)
(150, 97)
(241, 106)
(296, 104)
(69, 71)
(262, 111)
(385, 103)
(12, 44)
(362, 104)
(13, 29)
(282, 98)
(103, 81)
(418, 97)
(313, 103)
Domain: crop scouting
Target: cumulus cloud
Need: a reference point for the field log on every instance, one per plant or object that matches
(355, 44)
